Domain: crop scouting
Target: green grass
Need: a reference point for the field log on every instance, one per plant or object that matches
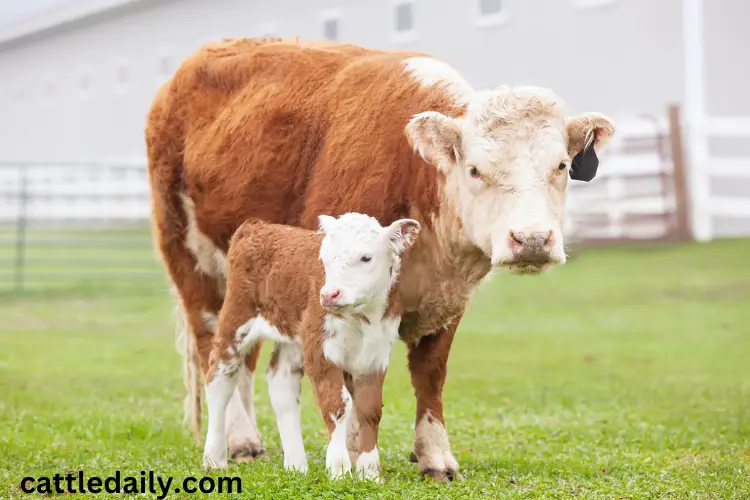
(624, 374)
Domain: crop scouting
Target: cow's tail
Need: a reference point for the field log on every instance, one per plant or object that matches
(191, 372)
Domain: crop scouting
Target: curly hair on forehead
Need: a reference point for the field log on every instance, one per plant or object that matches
(506, 106)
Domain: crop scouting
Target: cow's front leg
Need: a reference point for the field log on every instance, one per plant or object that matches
(365, 421)
(428, 360)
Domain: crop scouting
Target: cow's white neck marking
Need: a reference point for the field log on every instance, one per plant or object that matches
(433, 72)
(357, 346)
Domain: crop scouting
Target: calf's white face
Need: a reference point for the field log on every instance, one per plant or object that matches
(506, 164)
(361, 259)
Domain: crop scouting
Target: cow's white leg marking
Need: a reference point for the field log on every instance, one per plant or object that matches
(432, 446)
(284, 386)
(209, 258)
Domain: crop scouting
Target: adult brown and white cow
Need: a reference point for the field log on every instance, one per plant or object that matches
(285, 130)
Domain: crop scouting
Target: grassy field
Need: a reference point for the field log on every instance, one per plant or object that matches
(624, 374)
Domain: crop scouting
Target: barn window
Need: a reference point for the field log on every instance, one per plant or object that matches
(84, 83)
(330, 20)
(163, 65)
(122, 76)
(49, 86)
(403, 21)
(490, 12)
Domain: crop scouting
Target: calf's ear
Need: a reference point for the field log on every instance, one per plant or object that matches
(436, 137)
(326, 223)
(402, 234)
(587, 134)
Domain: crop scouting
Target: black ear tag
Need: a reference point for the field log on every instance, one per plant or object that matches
(584, 165)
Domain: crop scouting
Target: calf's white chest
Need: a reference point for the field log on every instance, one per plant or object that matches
(358, 347)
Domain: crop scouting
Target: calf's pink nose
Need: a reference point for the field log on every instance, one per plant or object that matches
(329, 296)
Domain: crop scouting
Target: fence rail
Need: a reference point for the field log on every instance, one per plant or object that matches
(71, 225)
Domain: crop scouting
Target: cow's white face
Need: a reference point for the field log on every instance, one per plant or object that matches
(361, 260)
(506, 166)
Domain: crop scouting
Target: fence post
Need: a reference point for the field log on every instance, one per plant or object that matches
(681, 202)
(693, 37)
(21, 222)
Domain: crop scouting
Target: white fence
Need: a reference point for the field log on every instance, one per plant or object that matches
(720, 177)
(74, 192)
(632, 197)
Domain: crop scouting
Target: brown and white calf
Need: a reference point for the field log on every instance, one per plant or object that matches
(286, 130)
(338, 320)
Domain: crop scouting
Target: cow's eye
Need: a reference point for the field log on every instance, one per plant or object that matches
(562, 166)
(365, 258)
(474, 172)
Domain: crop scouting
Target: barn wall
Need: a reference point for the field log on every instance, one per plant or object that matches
(60, 98)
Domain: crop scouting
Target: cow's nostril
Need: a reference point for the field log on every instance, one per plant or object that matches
(334, 294)
(548, 239)
(517, 238)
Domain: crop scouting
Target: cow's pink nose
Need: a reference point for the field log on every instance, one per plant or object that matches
(330, 296)
(531, 246)
(531, 237)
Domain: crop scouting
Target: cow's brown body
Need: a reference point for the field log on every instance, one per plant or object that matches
(285, 131)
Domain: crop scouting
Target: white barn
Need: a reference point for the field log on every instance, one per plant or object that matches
(76, 78)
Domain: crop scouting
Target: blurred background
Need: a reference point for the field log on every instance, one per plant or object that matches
(77, 78)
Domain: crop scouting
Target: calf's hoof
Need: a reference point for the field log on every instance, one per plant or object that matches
(368, 467)
(296, 464)
(247, 452)
(338, 465)
(211, 463)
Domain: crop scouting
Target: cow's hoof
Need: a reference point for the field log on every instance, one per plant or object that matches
(247, 452)
(443, 475)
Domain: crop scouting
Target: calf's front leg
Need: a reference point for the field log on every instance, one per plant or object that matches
(335, 403)
(367, 392)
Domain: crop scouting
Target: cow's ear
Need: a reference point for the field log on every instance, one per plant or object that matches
(436, 137)
(588, 133)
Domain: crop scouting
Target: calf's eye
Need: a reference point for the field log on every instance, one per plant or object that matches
(474, 172)
(365, 258)
(561, 166)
